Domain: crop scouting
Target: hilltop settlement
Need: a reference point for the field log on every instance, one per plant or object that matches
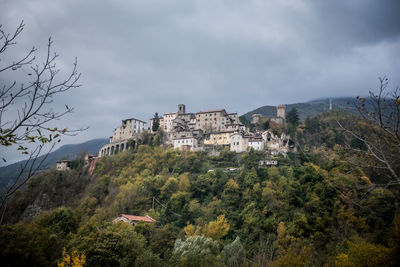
(202, 131)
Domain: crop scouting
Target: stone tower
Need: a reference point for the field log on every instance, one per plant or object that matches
(181, 109)
(256, 118)
(280, 111)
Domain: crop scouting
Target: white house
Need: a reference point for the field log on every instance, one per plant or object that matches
(63, 165)
(257, 143)
(238, 143)
(267, 162)
(185, 142)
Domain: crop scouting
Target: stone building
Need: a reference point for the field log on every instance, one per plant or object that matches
(219, 139)
(239, 143)
(280, 117)
(257, 143)
(190, 143)
(129, 129)
(276, 144)
(133, 219)
(256, 118)
(176, 121)
(63, 165)
(215, 120)
(280, 111)
(267, 163)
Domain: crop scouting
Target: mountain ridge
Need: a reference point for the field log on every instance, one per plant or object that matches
(68, 151)
(307, 109)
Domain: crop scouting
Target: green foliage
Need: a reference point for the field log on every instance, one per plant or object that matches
(156, 122)
(302, 214)
(292, 117)
(59, 222)
(158, 138)
(24, 245)
(361, 253)
(244, 120)
(196, 251)
(265, 125)
(234, 254)
(149, 259)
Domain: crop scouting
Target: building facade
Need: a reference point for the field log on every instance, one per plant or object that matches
(190, 143)
(257, 143)
(129, 128)
(239, 143)
(63, 165)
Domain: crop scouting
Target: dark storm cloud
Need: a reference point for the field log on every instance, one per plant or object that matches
(138, 57)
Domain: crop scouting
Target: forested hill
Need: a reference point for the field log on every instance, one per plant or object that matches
(319, 207)
(71, 151)
(308, 109)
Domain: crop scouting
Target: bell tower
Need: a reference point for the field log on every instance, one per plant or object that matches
(181, 109)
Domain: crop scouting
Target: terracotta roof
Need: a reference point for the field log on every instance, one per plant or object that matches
(209, 111)
(138, 218)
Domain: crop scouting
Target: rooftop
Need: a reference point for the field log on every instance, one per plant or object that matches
(210, 111)
(132, 119)
(138, 218)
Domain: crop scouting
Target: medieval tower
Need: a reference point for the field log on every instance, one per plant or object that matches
(181, 109)
(280, 111)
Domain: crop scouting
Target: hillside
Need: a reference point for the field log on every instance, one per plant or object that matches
(71, 151)
(313, 209)
(308, 109)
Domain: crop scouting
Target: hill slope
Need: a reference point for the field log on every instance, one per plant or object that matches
(9, 172)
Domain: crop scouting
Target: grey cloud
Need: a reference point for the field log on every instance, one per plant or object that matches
(139, 57)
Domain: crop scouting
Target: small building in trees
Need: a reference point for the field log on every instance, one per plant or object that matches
(63, 165)
(267, 163)
(133, 219)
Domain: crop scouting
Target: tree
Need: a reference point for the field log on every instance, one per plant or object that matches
(293, 117)
(362, 253)
(156, 123)
(380, 119)
(196, 251)
(234, 253)
(26, 113)
(217, 229)
(74, 259)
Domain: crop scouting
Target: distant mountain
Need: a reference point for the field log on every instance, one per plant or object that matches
(8, 173)
(307, 109)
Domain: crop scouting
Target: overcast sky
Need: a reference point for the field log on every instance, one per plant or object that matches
(139, 57)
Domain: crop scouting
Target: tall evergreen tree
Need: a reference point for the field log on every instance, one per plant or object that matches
(293, 117)
(156, 122)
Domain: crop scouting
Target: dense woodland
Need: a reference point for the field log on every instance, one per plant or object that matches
(326, 205)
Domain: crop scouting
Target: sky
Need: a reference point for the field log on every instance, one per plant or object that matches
(141, 57)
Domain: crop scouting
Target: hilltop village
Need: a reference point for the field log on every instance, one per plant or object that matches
(203, 131)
